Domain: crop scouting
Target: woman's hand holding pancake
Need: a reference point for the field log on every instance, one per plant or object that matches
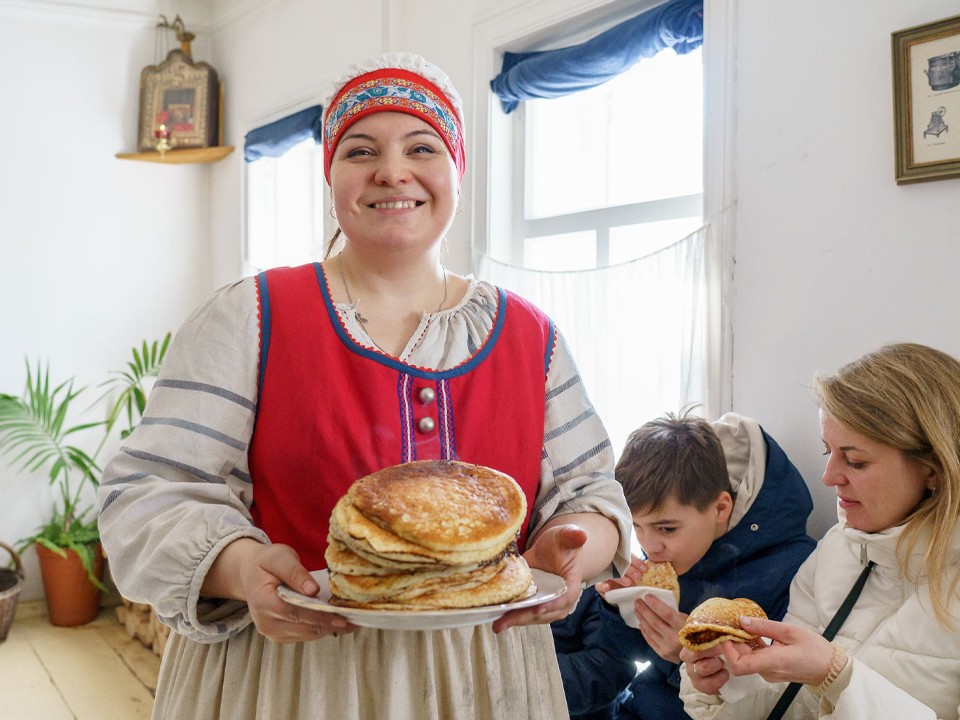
(797, 655)
(251, 571)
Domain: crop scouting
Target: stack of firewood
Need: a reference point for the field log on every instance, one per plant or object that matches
(141, 623)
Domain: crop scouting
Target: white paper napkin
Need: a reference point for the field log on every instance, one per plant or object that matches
(624, 598)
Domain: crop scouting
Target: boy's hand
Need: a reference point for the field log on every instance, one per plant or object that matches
(660, 626)
(630, 576)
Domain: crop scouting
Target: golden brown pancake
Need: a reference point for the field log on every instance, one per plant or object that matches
(716, 620)
(661, 575)
(428, 534)
(512, 582)
(443, 504)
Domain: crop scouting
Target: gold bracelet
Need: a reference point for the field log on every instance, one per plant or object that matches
(837, 664)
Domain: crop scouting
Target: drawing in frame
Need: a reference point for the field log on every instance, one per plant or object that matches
(179, 101)
(926, 99)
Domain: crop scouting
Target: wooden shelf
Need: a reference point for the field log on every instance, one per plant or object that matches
(185, 155)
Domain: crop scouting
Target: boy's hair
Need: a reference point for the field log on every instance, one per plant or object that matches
(673, 457)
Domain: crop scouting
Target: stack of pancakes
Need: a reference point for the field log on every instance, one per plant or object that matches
(429, 534)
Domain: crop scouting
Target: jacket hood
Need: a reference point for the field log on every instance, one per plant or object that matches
(745, 451)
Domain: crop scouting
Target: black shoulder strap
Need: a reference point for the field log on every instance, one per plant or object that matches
(830, 632)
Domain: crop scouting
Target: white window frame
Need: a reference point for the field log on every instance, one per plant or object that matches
(598, 220)
(522, 26)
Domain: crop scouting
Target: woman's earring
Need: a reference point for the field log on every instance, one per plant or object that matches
(332, 213)
(459, 205)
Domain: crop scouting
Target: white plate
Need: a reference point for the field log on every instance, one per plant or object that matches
(549, 586)
(624, 598)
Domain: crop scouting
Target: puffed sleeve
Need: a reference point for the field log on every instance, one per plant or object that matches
(178, 490)
(577, 468)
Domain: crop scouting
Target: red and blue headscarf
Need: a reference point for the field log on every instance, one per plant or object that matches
(398, 82)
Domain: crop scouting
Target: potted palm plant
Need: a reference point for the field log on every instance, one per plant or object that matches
(35, 434)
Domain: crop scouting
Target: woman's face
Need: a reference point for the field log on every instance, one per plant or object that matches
(877, 485)
(393, 182)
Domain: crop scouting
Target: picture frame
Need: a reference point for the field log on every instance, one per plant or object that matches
(179, 105)
(926, 97)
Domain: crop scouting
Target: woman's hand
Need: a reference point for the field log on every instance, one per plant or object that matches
(557, 550)
(629, 578)
(705, 669)
(660, 626)
(251, 571)
(797, 654)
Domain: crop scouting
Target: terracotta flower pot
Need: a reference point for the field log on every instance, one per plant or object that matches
(71, 598)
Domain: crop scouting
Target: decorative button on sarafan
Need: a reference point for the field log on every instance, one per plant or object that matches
(427, 395)
(426, 424)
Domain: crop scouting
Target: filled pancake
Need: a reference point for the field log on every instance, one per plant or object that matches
(716, 620)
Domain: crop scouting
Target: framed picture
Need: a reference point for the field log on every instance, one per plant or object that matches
(179, 105)
(926, 98)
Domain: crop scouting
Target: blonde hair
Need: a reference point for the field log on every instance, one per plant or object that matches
(907, 396)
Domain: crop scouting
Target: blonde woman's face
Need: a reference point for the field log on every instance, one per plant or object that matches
(877, 485)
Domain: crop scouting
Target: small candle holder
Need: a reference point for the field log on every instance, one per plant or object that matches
(164, 139)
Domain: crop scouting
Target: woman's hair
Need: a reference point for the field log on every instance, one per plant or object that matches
(907, 396)
(673, 457)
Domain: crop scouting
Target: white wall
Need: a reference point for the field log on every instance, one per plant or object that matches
(96, 254)
(832, 258)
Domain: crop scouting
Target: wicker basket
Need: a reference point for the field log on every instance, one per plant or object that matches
(11, 583)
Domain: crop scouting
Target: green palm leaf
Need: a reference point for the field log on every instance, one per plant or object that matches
(132, 400)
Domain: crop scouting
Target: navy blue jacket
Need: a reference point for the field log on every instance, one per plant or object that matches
(756, 559)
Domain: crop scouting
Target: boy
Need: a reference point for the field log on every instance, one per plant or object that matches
(724, 505)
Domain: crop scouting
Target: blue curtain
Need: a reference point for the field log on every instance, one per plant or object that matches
(554, 73)
(275, 139)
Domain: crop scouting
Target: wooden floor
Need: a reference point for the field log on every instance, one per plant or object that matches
(92, 672)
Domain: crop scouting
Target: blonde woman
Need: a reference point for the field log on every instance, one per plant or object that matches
(890, 424)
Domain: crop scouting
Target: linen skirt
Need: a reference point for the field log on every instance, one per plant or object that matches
(457, 674)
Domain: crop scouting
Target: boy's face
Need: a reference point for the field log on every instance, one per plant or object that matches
(681, 534)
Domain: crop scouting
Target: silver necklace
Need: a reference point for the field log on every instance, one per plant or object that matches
(356, 313)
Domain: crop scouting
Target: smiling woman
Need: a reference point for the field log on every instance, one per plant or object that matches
(284, 388)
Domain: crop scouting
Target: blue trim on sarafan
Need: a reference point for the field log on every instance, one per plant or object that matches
(264, 330)
(448, 440)
(548, 356)
(408, 445)
(403, 367)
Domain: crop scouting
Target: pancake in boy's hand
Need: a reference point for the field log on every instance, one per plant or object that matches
(661, 575)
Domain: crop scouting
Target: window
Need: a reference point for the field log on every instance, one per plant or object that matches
(285, 198)
(611, 173)
(286, 208)
(595, 212)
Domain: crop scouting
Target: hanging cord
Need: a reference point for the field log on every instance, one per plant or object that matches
(829, 633)
(161, 40)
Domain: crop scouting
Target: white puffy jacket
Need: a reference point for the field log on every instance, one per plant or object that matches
(905, 665)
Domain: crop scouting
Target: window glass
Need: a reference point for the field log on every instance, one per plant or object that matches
(286, 208)
(635, 138)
